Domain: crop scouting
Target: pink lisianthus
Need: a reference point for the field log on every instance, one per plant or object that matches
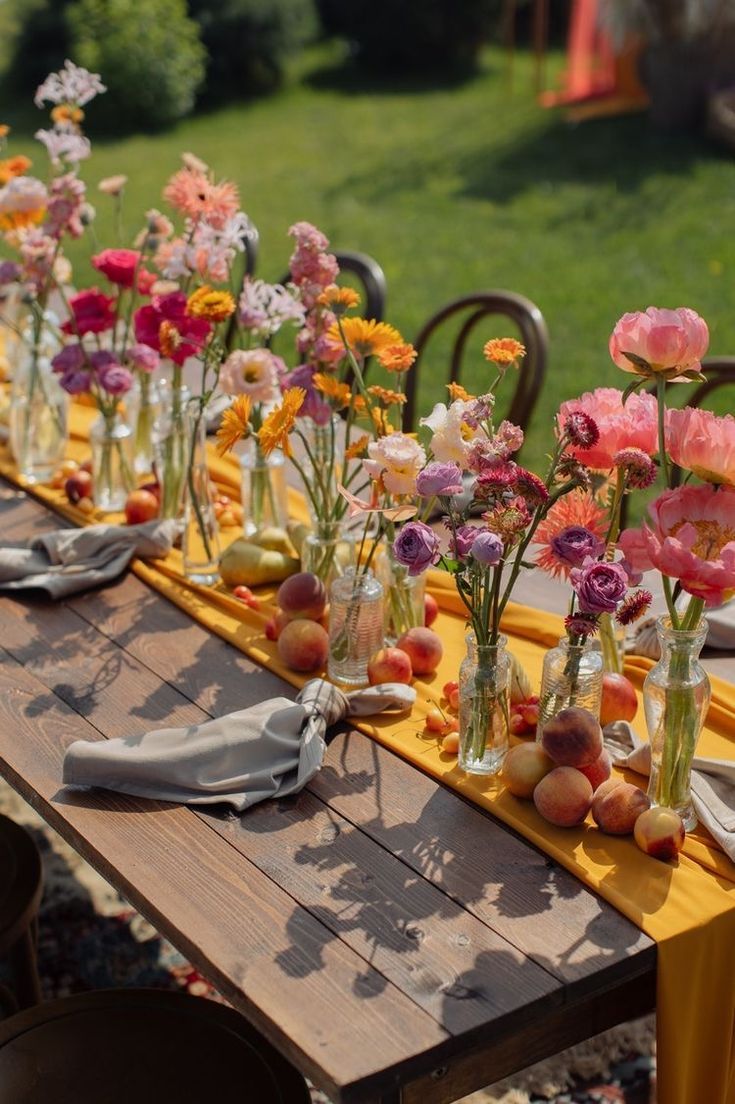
(253, 372)
(171, 308)
(690, 537)
(633, 425)
(93, 312)
(670, 342)
(702, 443)
(118, 265)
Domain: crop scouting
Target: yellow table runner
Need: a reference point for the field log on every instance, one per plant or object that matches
(688, 907)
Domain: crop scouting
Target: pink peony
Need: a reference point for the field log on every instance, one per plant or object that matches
(690, 537)
(93, 312)
(118, 265)
(669, 341)
(631, 426)
(702, 443)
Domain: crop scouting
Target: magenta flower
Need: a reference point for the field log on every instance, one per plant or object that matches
(93, 312)
(439, 478)
(70, 359)
(143, 358)
(599, 586)
(416, 547)
(171, 308)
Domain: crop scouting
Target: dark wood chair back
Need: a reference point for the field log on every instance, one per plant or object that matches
(483, 304)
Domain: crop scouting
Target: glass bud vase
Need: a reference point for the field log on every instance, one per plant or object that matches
(172, 441)
(321, 464)
(263, 489)
(676, 697)
(111, 440)
(571, 675)
(355, 626)
(484, 677)
(328, 552)
(37, 426)
(143, 409)
(404, 595)
(200, 541)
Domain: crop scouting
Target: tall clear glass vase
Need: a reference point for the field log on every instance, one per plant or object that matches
(263, 489)
(143, 405)
(172, 442)
(404, 595)
(321, 465)
(484, 677)
(328, 551)
(37, 418)
(676, 697)
(113, 478)
(355, 626)
(571, 675)
(200, 542)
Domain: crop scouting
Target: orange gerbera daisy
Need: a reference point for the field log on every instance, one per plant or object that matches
(169, 338)
(503, 350)
(578, 508)
(380, 421)
(365, 337)
(357, 448)
(14, 166)
(338, 299)
(235, 424)
(386, 396)
(340, 393)
(457, 391)
(398, 356)
(208, 303)
(275, 430)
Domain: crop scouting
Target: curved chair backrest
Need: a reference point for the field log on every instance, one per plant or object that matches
(483, 304)
(369, 274)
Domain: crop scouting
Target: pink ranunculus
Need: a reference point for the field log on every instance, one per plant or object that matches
(170, 308)
(118, 265)
(669, 341)
(76, 381)
(111, 375)
(633, 425)
(143, 358)
(702, 443)
(690, 537)
(93, 312)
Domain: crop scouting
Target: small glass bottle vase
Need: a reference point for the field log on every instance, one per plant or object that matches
(200, 542)
(113, 479)
(404, 595)
(355, 626)
(263, 489)
(143, 407)
(172, 443)
(676, 697)
(37, 419)
(571, 675)
(484, 677)
(328, 552)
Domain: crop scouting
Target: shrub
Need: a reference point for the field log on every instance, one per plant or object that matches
(40, 44)
(249, 41)
(148, 54)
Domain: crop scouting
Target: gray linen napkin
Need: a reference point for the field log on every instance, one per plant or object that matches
(69, 560)
(713, 781)
(269, 750)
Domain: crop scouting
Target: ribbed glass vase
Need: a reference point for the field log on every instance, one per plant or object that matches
(355, 626)
(571, 675)
(484, 677)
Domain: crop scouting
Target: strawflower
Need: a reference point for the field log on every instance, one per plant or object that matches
(275, 430)
(235, 424)
(640, 470)
(702, 443)
(581, 625)
(633, 607)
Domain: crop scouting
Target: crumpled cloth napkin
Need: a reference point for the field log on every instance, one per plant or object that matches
(269, 750)
(69, 560)
(712, 781)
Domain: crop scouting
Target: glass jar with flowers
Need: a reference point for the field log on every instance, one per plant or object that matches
(38, 405)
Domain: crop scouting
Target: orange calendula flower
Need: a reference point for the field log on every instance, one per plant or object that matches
(397, 356)
(503, 350)
(457, 391)
(357, 448)
(332, 388)
(208, 303)
(275, 430)
(386, 396)
(365, 337)
(67, 113)
(338, 299)
(380, 421)
(14, 166)
(235, 424)
(169, 338)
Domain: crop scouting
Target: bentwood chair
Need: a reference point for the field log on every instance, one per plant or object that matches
(21, 885)
(140, 1046)
(467, 312)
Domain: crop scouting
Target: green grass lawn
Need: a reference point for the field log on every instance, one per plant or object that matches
(456, 188)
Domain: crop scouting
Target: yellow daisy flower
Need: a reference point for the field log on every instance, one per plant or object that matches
(338, 299)
(340, 393)
(235, 424)
(208, 303)
(365, 337)
(503, 350)
(397, 356)
(275, 429)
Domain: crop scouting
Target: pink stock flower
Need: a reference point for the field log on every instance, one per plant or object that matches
(171, 308)
(93, 312)
(143, 358)
(690, 537)
(65, 206)
(118, 265)
(631, 426)
(702, 443)
(312, 268)
(668, 341)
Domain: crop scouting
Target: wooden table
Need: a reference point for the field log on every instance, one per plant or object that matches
(394, 942)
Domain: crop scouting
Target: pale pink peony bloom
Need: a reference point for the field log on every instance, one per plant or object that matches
(253, 372)
(633, 425)
(396, 459)
(669, 341)
(690, 537)
(702, 443)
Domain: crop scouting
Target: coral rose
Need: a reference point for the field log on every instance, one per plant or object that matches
(633, 425)
(702, 443)
(668, 342)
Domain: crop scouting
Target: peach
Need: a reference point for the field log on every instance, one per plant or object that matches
(78, 485)
(660, 832)
(450, 743)
(424, 649)
(302, 596)
(608, 785)
(389, 665)
(573, 738)
(616, 810)
(523, 768)
(619, 700)
(563, 796)
(303, 645)
(431, 610)
(140, 506)
(599, 771)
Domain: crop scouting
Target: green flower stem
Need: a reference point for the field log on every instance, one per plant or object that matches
(610, 652)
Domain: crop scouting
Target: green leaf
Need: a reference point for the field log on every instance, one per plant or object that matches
(638, 361)
(638, 382)
(693, 374)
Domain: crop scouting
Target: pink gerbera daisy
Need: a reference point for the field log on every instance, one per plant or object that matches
(578, 508)
(192, 193)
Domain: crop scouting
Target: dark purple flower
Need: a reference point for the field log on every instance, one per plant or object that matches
(581, 624)
(70, 359)
(599, 586)
(581, 430)
(439, 478)
(634, 606)
(575, 544)
(530, 487)
(487, 548)
(416, 547)
(76, 381)
(9, 272)
(640, 469)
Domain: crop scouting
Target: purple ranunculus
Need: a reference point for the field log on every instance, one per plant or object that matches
(487, 548)
(575, 544)
(111, 375)
(314, 406)
(76, 381)
(599, 586)
(143, 357)
(460, 543)
(439, 478)
(416, 547)
(70, 359)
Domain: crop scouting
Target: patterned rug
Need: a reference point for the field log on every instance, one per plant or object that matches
(90, 938)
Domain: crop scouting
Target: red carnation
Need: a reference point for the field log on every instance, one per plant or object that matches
(93, 312)
(171, 308)
(118, 265)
